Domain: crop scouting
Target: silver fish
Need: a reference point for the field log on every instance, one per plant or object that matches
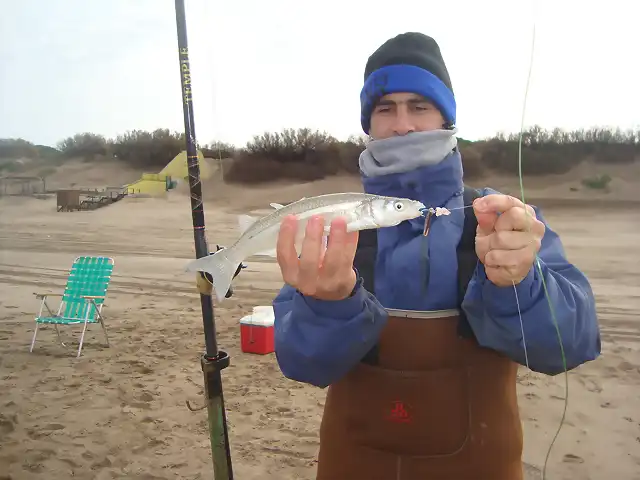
(362, 211)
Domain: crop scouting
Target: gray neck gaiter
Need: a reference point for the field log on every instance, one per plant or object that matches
(406, 152)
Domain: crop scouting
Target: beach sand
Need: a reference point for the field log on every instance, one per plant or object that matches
(120, 413)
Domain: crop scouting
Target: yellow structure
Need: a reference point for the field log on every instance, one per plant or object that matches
(149, 184)
(176, 169)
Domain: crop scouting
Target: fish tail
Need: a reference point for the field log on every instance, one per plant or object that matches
(222, 266)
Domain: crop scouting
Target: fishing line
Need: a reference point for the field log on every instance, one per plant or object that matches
(537, 262)
(524, 342)
(459, 208)
(216, 132)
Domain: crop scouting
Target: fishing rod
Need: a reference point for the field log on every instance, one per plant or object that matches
(213, 361)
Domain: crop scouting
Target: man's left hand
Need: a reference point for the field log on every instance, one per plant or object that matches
(507, 239)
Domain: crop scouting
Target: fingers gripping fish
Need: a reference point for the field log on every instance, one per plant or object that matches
(362, 211)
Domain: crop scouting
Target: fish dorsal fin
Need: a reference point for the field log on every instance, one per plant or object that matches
(245, 222)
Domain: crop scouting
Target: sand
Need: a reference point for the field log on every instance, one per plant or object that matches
(119, 412)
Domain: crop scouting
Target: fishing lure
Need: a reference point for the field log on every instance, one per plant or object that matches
(429, 213)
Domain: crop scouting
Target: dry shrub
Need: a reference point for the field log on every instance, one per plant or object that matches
(84, 145)
(15, 148)
(148, 149)
(247, 170)
(471, 162)
(219, 150)
(301, 154)
(305, 154)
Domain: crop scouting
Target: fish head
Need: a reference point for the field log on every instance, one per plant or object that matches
(391, 211)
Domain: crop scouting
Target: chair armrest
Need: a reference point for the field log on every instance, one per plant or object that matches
(45, 295)
(91, 298)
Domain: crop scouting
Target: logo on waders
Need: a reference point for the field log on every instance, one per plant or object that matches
(399, 412)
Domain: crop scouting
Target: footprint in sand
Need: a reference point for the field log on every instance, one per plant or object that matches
(39, 432)
(591, 385)
(7, 423)
(52, 427)
(136, 366)
(104, 379)
(571, 458)
(627, 367)
(104, 463)
(146, 396)
(34, 459)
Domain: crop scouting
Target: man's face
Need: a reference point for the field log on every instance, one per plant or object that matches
(402, 113)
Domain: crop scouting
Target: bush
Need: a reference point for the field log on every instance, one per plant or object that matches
(84, 145)
(472, 165)
(16, 148)
(291, 154)
(219, 150)
(305, 154)
(558, 151)
(17, 154)
(148, 149)
(598, 182)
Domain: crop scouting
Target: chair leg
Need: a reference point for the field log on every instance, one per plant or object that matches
(82, 339)
(58, 334)
(104, 329)
(33, 341)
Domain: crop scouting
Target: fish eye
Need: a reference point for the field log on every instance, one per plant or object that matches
(398, 206)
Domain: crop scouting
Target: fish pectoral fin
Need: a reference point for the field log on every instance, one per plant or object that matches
(352, 226)
(277, 206)
(361, 224)
(268, 253)
(245, 221)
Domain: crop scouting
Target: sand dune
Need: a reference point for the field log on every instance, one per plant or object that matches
(119, 412)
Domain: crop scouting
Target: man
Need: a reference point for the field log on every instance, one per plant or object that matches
(419, 337)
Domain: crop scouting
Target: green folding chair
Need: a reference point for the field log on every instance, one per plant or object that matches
(82, 300)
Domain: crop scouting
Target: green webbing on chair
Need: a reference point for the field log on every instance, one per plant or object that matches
(89, 277)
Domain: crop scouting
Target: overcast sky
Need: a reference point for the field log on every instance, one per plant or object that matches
(108, 66)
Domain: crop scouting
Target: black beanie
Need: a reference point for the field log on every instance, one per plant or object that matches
(409, 62)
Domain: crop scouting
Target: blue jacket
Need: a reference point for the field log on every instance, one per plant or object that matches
(318, 342)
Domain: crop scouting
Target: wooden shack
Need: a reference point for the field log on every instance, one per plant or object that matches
(68, 200)
(17, 185)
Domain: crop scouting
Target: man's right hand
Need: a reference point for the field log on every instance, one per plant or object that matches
(319, 273)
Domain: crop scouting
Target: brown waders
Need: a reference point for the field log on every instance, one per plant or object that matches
(434, 407)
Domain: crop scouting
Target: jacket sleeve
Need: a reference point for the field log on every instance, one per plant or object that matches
(492, 312)
(317, 341)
